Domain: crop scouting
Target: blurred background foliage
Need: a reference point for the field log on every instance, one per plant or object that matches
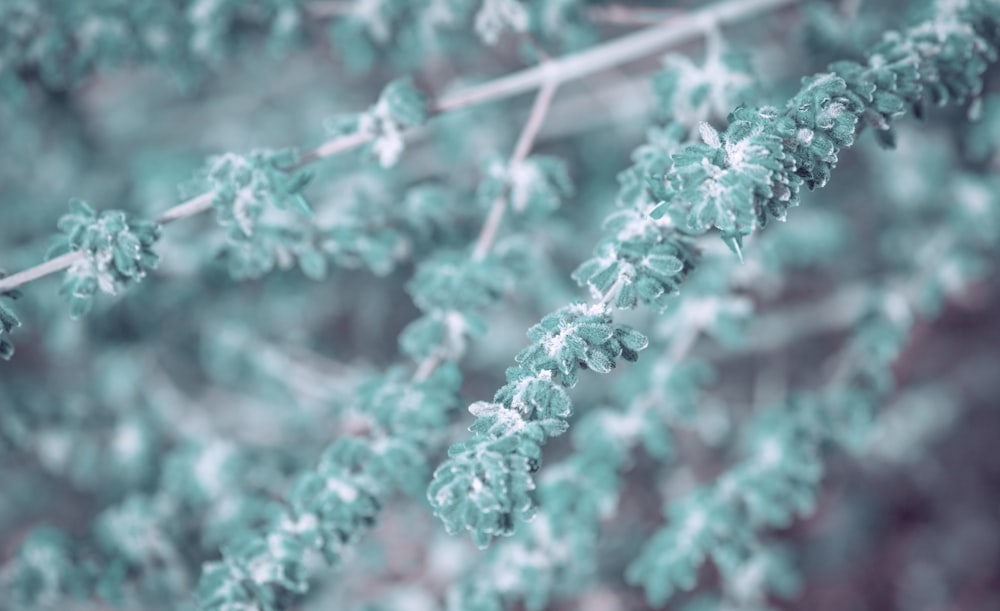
(139, 439)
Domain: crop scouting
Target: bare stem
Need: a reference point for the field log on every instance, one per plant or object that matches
(612, 293)
(191, 207)
(340, 144)
(543, 101)
(427, 367)
(488, 234)
(40, 271)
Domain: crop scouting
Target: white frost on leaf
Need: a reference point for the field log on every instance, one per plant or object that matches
(495, 16)
(346, 491)
(524, 178)
(709, 135)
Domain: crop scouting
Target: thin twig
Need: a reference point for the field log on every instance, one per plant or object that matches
(427, 367)
(191, 207)
(612, 293)
(543, 101)
(40, 271)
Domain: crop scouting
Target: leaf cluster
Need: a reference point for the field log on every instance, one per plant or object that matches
(116, 252)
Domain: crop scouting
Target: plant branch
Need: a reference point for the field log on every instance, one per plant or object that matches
(191, 207)
(41, 270)
(571, 67)
(543, 101)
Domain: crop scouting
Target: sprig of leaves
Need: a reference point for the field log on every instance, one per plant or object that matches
(332, 505)
(60, 46)
(258, 200)
(484, 486)
(400, 106)
(117, 252)
(335, 504)
(735, 181)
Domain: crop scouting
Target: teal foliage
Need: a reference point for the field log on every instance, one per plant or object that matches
(220, 457)
(50, 567)
(45, 570)
(484, 486)
(56, 434)
(555, 553)
(636, 264)
(535, 186)
(132, 534)
(496, 16)
(403, 31)
(649, 162)
(733, 181)
(690, 94)
(564, 23)
(578, 336)
(640, 259)
(782, 474)
(454, 281)
(249, 193)
(400, 106)
(406, 32)
(116, 253)
(245, 186)
(334, 504)
(215, 464)
(714, 181)
(779, 479)
(984, 132)
(381, 235)
(740, 178)
(60, 46)
(331, 507)
(702, 526)
(451, 289)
